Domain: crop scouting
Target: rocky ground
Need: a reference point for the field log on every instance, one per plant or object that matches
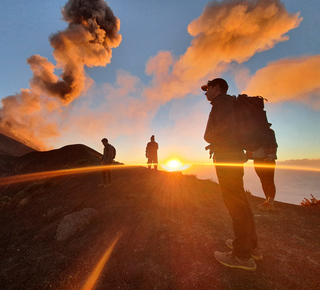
(145, 231)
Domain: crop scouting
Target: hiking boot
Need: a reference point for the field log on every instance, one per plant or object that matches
(102, 184)
(255, 254)
(229, 260)
(266, 206)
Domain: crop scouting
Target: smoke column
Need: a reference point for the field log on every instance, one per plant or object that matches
(91, 34)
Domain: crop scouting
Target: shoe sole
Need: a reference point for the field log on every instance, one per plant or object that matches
(236, 267)
(257, 258)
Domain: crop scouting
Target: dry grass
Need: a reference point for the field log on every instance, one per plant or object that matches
(310, 202)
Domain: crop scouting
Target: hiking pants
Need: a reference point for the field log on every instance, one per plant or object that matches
(233, 194)
(153, 160)
(105, 173)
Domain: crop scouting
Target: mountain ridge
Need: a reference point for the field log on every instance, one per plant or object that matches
(161, 230)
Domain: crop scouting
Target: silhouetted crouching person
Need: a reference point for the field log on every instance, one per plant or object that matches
(109, 153)
(264, 160)
(152, 153)
(222, 135)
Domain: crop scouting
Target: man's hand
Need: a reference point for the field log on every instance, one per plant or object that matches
(210, 148)
(271, 157)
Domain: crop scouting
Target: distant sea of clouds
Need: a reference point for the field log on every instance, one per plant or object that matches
(292, 185)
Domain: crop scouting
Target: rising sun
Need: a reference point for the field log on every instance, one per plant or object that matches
(174, 165)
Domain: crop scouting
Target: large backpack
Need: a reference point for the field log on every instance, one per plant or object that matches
(252, 122)
(113, 152)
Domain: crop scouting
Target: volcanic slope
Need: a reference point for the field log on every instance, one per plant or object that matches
(9, 146)
(155, 230)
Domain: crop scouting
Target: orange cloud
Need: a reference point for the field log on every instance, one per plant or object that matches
(288, 79)
(225, 32)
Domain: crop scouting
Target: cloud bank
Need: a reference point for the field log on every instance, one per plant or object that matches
(226, 32)
(289, 79)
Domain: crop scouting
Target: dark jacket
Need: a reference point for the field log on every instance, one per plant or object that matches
(109, 153)
(152, 148)
(221, 131)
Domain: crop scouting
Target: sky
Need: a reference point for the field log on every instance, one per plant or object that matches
(139, 73)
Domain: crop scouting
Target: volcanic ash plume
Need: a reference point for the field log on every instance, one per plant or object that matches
(91, 34)
(225, 32)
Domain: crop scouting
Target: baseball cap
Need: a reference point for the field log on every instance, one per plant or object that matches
(218, 81)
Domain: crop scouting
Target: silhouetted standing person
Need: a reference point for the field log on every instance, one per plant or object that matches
(264, 160)
(152, 153)
(221, 133)
(109, 153)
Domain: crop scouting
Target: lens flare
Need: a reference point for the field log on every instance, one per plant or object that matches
(91, 281)
(63, 172)
(48, 174)
(174, 165)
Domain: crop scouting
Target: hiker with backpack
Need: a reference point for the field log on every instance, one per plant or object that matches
(229, 157)
(264, 160)
(109, 153)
